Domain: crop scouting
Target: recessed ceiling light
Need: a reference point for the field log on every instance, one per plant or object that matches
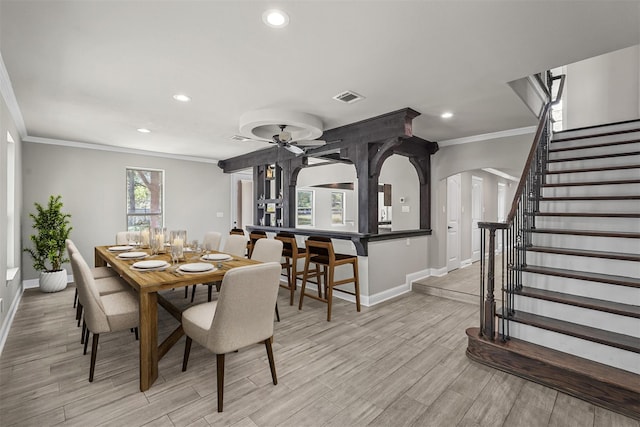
(181, 97)
(446, 115)
(144, 130)
(275, 18)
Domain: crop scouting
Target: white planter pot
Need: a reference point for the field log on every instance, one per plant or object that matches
(54, 281)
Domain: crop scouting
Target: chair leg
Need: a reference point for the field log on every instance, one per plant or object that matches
(272, 363)
(328, 293)
(79, 313)
(357, 284)
(220, 366)
(193, 292)
(277, 313)
(186, 291)
(304, 282)
(187, 350)
(94, 351)
(135, 331)
(319, 280)
(75, 298)
(84, 328)
(209, 292)
(86, 339)
(293, 280)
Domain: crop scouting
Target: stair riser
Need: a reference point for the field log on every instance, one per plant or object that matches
(610, 175)
(587, 264)
(602, 206)
(595, 163)
(579, 315)
(616, 127)
(587, 223)
(595, 151)
(631, 136)
(568, 241)
(592, 190)
(610, 356)
(585, 288)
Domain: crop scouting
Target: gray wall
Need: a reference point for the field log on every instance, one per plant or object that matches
(10, 291)
(603, 89)
(400, 173)
(92, 185)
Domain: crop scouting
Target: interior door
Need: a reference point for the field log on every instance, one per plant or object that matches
(477, 211)
(453, 222)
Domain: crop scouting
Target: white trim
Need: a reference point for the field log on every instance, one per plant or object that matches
(418, 275)
(465, 263)
(10, 99)
(91, 146)
(8, 320)
(439, 272)
(12, 273)
(30, 284)
(487, 136)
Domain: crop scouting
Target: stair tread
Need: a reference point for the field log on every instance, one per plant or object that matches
(624, 234)
(550, 199)
(585, 253)
(584, 275)
(580, 301)
(583, 147)
(597, 169)
(613, 339)
(600, 156)
(593, 135)
(581, 183)
(589, 214)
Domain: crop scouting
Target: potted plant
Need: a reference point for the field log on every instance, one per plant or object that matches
(49, 246)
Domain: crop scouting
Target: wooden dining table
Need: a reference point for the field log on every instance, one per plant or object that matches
(148, 284)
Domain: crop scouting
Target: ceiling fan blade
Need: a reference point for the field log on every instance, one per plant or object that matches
(310, 143)
(295, 150)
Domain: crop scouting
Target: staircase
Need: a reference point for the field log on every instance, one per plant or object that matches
(573, 315)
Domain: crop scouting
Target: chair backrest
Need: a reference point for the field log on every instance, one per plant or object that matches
(71, 247)
(254, 236)
(320, 245)
(289, 243)
(237, 231)
(211, 241)
(267, 250)
(235, 245)
(244, 312)
(89, 296)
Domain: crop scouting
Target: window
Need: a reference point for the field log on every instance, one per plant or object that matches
(11, 200)
(337, 207)
(304, 208)
(145, 198)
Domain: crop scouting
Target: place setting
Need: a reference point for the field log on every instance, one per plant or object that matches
(150, 265)
(132, 255)
(123, 248)
(216, 257)
(196, 268)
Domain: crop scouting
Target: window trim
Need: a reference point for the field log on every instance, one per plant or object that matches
(162, 203)
(313, 208)
(342, 209)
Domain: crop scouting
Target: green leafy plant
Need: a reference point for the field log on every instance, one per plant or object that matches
(53, 229)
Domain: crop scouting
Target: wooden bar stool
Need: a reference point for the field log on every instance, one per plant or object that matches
(291, 254)
(253, 236)
(320, 252)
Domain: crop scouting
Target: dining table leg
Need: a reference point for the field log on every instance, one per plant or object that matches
(148, 339)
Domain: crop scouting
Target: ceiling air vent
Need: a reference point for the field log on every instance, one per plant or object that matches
(348, 97)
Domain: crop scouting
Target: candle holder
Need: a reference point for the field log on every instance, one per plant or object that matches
(157, 239)
(145, 236)
(177, 241)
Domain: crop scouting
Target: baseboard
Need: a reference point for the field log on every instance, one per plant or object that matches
(8, 320)
(35, 283)
(465, 263)
(439, 272)
(413, 277)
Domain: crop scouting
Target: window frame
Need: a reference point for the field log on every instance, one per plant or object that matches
(298, 207)
(342, 209)
(161, 213)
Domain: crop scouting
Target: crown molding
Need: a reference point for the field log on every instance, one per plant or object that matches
(114, 149)
(488, 136)
(10, 99)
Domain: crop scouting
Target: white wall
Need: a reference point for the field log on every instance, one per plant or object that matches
(603, 89)
(92, 185)
(403, 177)
(10, 292)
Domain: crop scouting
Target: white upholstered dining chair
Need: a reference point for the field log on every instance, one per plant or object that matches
(235, 245)
(268, 250)
(102, 313)
(242, 316)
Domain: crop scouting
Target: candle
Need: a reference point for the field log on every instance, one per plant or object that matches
(144, 235)
(178, 242)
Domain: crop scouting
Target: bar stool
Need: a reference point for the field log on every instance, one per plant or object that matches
(291, 254)
(253, 236)
(320, 252)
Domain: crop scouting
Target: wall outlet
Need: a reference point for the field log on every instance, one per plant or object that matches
(406, 209)
(219, 214)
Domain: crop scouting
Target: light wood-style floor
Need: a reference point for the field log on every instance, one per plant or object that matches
(399, 363)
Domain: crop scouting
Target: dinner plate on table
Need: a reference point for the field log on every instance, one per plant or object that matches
(150, 265)
(196, 267)
(216, 257)
(133, 255)
(120, 248)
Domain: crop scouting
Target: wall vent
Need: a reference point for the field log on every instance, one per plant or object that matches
(348, 97)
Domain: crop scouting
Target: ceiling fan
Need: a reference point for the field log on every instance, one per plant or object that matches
(284, 139)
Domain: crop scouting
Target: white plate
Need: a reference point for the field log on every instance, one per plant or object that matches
(155, 263)
(196, 267)
(216, 257)
(120, 248)
(133, 255)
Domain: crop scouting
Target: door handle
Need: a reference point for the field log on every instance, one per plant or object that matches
(449, 227)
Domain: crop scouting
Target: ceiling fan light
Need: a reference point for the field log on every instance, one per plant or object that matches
(285, 136)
